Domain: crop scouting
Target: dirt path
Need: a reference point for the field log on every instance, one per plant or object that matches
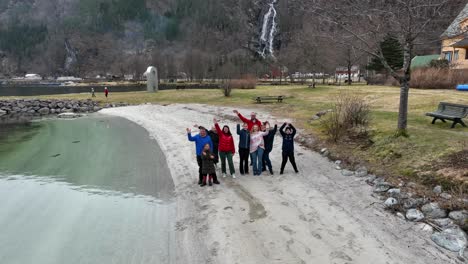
(316, 216)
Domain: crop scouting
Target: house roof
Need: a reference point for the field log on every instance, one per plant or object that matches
(461, 44)
(423, 61)
(454, 28)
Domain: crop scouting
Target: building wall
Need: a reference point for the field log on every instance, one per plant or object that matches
(459, 61)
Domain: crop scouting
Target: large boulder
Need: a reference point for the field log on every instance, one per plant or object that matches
(414, 215)
(44, 111)
(460, 217)
(444, 222)
(432, 210)
(453, 239)
(381, 187)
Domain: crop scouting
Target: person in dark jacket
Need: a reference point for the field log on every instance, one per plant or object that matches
(208, 167)
(288, 146)
(244, 148)
(215, 139)
(200, 140)
(268, 139)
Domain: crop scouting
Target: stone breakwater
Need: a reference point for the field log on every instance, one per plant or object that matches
(42, 107)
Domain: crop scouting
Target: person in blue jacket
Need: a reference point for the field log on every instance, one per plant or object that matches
(288, 146)
(200, 140)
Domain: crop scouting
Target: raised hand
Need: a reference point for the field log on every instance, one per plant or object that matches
(188, 130)
(235, 112)
(215, 120)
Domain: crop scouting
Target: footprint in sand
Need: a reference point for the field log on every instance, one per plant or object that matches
(316, 235)
(340, 255)
(287, 229)
(214, 249)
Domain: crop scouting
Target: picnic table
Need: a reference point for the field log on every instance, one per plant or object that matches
(260, 99)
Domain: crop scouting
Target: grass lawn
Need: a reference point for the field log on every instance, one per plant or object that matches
(401, 157)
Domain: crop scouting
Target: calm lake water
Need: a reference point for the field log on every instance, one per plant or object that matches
(91, 190)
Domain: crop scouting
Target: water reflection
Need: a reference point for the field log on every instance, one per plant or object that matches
(45, 221)
(109, 153)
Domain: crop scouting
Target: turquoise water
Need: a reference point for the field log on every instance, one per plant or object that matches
(91, 190)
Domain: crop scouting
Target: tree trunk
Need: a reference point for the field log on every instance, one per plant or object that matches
(403, 109)
(404, 89)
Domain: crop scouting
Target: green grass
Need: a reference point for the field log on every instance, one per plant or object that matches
(389, 155)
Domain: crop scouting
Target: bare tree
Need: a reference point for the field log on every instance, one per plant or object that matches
(367, 21)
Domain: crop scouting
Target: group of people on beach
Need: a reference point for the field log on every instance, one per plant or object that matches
(255, 142)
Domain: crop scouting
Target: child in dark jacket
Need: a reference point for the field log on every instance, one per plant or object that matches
(288, 146)
(268, 139)
(208, 167)
(244, 148)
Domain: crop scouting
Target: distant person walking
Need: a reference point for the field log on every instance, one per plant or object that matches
(106, 91)
(257, 147)
(200, 141)
(208, 167)
(268, 139)
(92, 92)
(288, 146)
(226, 148)
(250, 122)
(244, 148)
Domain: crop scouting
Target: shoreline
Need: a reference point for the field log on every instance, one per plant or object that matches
(317, 216)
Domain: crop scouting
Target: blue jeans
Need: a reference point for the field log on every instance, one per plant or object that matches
(257, 158)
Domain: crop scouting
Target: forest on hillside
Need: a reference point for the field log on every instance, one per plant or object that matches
(202, 38)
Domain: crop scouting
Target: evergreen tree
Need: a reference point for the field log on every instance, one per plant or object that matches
(393, 53)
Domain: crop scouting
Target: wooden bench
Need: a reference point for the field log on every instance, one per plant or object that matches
(260, 99)
(449, 111)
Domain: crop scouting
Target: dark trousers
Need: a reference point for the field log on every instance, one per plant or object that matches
(200, 175)
(216, 155)
(212, 178)
(266, 161)
(244, 160)
(290, 156)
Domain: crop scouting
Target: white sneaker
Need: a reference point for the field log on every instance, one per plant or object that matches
(224, 175)
(233, 176)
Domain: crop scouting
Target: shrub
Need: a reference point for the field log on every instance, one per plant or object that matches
(246, 82)
(438, 78)
(226, 88)
(350, 114)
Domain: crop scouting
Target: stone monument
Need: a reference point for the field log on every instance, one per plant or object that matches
(152, 79)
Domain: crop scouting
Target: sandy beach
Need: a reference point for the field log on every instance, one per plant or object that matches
(317, 216)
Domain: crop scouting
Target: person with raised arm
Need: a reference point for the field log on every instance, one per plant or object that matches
(215, 139)
(250, 122)
(268, 139)
(200, 140)
(244, 148)
(257, 147)
(288, 146)
(226, 148)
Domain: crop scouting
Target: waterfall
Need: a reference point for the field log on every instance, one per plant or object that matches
(267, 35)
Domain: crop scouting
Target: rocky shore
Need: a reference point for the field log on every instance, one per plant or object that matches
(25, 108)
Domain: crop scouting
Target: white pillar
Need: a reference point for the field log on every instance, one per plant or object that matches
(152, 79)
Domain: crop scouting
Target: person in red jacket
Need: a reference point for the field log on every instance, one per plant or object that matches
(226, 148)
(106, 91)
(250, 122)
